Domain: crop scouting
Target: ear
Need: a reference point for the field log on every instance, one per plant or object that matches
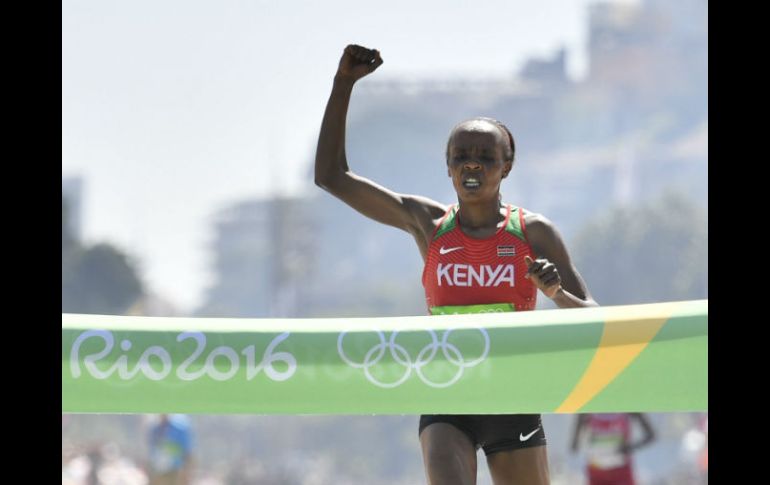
(507, 166)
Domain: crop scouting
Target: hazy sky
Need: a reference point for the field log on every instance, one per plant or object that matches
(173, 109)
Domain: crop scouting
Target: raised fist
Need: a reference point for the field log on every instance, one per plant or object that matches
(357, 62)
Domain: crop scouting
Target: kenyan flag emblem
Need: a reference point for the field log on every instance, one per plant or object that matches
(506, 251)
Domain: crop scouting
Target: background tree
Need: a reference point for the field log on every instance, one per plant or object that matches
(95, 279)
(650, 253)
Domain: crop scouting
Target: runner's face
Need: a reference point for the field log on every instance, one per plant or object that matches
(476, 161)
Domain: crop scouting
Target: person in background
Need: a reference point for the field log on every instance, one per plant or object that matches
(610, 446)
(171, 445)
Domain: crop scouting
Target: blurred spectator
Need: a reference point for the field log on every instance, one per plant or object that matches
(610, 447)
(695, 447)
(99, 464)
(171, 444)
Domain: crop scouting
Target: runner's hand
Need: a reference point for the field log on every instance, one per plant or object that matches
(357, 62)
(544, 275)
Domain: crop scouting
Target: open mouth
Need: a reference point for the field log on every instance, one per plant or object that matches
(471, 183)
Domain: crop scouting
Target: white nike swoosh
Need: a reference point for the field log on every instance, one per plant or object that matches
(448, 250)
(526, 437)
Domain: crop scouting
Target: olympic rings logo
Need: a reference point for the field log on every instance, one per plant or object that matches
(424, 357)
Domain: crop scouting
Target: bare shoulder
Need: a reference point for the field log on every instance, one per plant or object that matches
(426, 212)
(537, 224)
(534, 218)
(542, 234)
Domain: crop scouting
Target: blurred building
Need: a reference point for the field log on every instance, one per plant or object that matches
(547, 73)
(264, 253)
(651, 60)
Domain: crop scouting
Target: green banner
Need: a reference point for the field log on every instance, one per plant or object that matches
(642, 358)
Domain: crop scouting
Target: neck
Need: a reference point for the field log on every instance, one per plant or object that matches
(479, 215)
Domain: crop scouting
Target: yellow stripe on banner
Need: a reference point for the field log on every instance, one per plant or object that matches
(627, 331)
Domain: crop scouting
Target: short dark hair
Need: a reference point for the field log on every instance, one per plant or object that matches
(509, 153)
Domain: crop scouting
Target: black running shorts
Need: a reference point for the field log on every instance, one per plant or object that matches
(494, 432)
